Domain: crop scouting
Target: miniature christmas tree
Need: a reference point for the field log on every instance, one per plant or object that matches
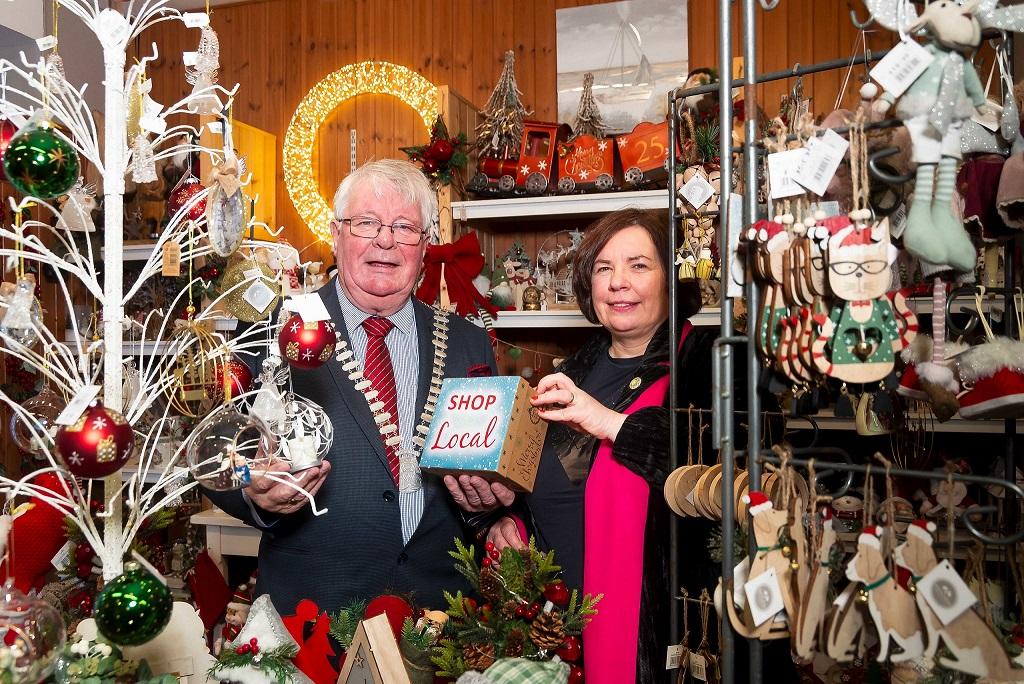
(588, 116)
(502, 129)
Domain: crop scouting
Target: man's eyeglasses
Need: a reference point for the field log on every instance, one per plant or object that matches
(369, 228)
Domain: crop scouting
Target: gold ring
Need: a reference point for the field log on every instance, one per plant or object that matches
(572, 398)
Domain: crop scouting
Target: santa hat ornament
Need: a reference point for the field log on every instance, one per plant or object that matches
(871, 536)
(923, 530)
(757, 503)
(242, 598)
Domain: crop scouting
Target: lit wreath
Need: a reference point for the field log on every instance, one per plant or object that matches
(379, 78)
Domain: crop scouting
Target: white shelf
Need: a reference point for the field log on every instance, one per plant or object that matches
(574, 319)
(826, 421)
(559, 205)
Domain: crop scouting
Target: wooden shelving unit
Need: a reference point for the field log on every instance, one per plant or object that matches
(558, 205)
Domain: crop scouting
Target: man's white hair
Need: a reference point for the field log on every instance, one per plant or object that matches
(401, 176)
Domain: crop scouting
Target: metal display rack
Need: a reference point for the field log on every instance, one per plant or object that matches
(727, 361)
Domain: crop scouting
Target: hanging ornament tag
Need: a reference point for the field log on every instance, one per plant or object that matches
(675, 655)
(739, 580)
(113, 28)
(764, 596)
(409, 477)
(60, 561)
(988, 116)
(945, 592)
(309, 306)
(189, 59)
(151, 120)
(260, 297)
(697, 191)
(215, 127)
(46, 43)
(196, 19)
(824, 154)
(782, 167)
(698, 667)
(901, 67)
(76, 407)
(171, 260)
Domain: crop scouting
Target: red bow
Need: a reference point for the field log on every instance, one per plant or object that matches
(463, 262)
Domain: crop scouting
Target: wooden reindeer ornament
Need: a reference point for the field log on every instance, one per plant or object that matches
(892, 608)
(975, 648)
(814, 597)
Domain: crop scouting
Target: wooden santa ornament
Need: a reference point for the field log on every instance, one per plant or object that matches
(373, 657)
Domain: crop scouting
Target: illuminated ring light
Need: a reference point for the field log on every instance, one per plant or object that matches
(364, 78)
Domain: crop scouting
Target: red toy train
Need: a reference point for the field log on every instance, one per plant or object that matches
(547, 159)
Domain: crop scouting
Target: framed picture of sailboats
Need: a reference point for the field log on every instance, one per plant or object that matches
(637, 51)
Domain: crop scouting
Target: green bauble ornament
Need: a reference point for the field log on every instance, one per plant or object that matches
(133, 608)
(41, 163)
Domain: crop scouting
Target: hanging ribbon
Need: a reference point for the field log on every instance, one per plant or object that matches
(461, 261)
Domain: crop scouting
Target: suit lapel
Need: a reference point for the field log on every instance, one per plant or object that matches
(351, 397)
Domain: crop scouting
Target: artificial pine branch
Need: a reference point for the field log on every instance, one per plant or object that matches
(466, 565)
(575, 620)
(420, 639)
(277, 662)
(449, 661)
(345, 622)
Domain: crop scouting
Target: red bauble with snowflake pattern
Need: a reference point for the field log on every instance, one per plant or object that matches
(307, 345)
(188, 187)
(98, 444)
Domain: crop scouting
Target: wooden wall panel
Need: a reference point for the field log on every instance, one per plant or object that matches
(277, 49)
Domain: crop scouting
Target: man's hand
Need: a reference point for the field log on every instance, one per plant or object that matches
(475, 495)
(505, 533)
(275, 497)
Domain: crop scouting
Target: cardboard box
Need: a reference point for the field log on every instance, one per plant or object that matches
(486, 427)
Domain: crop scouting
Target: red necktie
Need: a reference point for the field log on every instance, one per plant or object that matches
(381, 375)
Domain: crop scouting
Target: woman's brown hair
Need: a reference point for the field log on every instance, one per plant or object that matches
(597, 236)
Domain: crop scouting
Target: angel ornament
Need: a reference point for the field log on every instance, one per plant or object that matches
(202, 73)
(934, 109)
(77, 207)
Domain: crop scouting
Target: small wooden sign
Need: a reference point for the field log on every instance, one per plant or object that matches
(373, 657)
(487, 427)
(171, 260)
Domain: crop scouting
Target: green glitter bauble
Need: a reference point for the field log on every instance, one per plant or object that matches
(41, 163)
(133, 608)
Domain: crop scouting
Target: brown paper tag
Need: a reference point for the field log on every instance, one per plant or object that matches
(172, 260)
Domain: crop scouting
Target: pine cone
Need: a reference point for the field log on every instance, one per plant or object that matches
(478, 656)
(515, 643)
(548, 631)
(491, 586)
(508, 609)
(528, 569)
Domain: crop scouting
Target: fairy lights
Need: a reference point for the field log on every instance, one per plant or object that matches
(379, 78)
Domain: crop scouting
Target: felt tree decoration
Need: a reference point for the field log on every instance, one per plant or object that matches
(263, 651)
(934, 108)
(37, 533)
(316, 649)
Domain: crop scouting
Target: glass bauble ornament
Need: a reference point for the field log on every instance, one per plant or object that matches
(183, 195)
(239, 377)
(98, 444)
(40, 162)
(32, 637)
(226, 446)
(20, 313)
(225, 221)
(7, 131)
(268, 405)
(307, 345)
(134, 608)
(42, 410)
(306, 434)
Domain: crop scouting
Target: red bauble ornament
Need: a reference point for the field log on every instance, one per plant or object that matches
(441, 150)
(570, 651)
(187, 188)
(430, 165)
(84, 553)
(307, 345)
(557, 593)
(7, 131)
(575, 674)
(239, 376)
(97, 445)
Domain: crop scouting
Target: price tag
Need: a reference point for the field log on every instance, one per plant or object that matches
(196, 19)
(988, 116)
(764, 596)
(698, 667)
(945, 592)
(309, 306)
(782, 167)
(824, 154)
(113, 29)
(60, 561)
(898, 220)
(675, 655)
(739, 579)
(260, 297)
(76, 407)
(215, 127)
(189, 58)
(46, 43)
(171, 260)
(901, 67)
(697, 191)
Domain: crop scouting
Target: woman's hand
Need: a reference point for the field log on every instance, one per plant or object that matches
(505, 533)
(475, 495)
(559, 400)
(275, 497)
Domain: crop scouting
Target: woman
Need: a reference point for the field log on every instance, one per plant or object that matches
(597, 499)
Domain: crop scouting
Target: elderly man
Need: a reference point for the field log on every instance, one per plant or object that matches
(376, 537)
